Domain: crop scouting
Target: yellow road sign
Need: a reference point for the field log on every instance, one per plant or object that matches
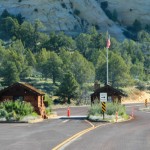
(103, 106)
(146, 103)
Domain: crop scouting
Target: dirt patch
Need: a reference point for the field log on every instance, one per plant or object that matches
(136, 96)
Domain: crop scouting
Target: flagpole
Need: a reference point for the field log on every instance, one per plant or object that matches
(107, 47)
(107, 64)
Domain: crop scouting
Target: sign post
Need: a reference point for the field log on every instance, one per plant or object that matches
(103, 99)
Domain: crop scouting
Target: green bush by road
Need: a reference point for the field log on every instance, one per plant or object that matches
(15, 110)
(111, 109)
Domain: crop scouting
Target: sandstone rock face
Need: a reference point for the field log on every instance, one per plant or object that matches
(129, 10)
(75, 16)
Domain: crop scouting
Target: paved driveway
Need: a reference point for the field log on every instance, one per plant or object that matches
(74, 111)
(44, 135)
(130, 135)
(39, 136)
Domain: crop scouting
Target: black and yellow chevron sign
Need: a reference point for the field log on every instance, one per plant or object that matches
(146, 103)
(103, 106)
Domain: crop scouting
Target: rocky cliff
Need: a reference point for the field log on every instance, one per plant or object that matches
(129, 10)
(75, 16)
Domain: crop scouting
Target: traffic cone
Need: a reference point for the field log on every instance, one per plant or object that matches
(132, 112)
(68, 112)
(116, 116)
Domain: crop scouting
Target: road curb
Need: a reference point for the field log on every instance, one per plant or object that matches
(13, 121)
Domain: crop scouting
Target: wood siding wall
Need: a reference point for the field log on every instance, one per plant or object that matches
(36, 101)
(6, 98)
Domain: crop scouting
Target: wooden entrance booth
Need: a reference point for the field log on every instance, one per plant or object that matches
(113, 95)
(25, 92)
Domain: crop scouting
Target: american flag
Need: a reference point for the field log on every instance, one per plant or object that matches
(108, 42)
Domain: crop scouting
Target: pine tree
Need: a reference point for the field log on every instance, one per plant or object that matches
(68, 88)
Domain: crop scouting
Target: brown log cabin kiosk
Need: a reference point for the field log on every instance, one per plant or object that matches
(112, 93)
(25, 92)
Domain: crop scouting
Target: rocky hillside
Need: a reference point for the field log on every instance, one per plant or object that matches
(129, 10)
(75, 16)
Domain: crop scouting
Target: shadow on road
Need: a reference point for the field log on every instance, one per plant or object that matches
(74, 117)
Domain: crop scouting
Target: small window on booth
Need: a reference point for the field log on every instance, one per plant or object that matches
(109, 99)
(18, 98)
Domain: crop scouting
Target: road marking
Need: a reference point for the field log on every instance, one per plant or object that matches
(20, 125)
(65, 121)
(133, 105)
(77, 135)
(89, 123)
(73, 137)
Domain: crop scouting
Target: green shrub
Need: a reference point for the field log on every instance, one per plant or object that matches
(76, 12)
(137, 26)
(96, 109)
(48, 101)
(115, 15)
(111, 109)
(34, 114)
(141, 86)
(97, 27)
(148, 88)
(125, 116)
(109, 14)
(48, 110)
(36, 10)
(122, 110)
(63, 5)
(15, 109)
(104, 5)
(2, 113)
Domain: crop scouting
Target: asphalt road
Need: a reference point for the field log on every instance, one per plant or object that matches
(74, 111)
(130, 135)
(39, 136)
(134, 134)
(44, 135)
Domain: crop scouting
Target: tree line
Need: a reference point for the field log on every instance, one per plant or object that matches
(25, 49)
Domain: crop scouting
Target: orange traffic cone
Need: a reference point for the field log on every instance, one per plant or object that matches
(132, 112)
(116, 116)
(68, 112)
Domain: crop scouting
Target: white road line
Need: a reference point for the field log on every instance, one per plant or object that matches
(65, 121)
(133, 105)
